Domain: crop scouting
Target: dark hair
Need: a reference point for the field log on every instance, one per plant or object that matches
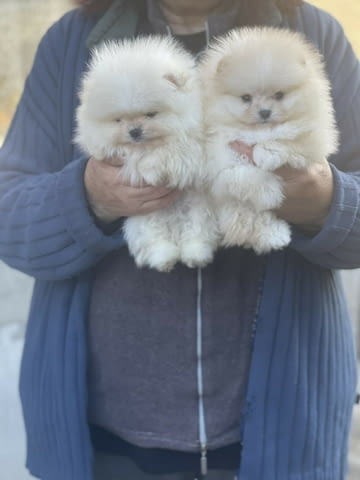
(252, 9)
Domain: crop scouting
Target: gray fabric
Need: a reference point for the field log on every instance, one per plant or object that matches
(114, 467)
(142, 349)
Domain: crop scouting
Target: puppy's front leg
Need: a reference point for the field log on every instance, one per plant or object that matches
(153, 171)
(177, 169)
(274, 154)
(249, 184)
(233, 182)
(199, 235)
(269, 233)
(150, 243)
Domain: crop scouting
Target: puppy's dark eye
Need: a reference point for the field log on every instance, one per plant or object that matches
(279, 95)
(117, 120)
(246, 98)
(151, 114)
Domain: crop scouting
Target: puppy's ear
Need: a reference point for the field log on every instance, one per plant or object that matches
(223, 66)
(179, 81)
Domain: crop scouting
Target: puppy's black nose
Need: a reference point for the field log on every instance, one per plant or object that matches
(136, 134)
(265, 114)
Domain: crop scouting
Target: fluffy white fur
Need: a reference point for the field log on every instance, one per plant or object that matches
(141, 102)
(268, 88)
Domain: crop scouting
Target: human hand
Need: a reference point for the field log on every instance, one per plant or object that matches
(307, 192)
(243, 149)
(308, 195)
(110, 197)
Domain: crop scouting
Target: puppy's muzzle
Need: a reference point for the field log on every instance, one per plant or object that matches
(265, 114)
(136, 134)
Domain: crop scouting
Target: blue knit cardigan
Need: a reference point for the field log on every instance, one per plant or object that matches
(303, 373)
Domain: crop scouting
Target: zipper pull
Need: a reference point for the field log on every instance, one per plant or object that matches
(203, 461)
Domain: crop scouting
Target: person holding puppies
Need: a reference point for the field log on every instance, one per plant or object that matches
(242, 369)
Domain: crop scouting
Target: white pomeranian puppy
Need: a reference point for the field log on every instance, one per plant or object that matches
(140, 102)
(267, 88)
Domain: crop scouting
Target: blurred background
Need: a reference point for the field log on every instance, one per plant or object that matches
(22, 23)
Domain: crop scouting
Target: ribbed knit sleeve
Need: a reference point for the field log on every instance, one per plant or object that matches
(337, 245)
(46, 229)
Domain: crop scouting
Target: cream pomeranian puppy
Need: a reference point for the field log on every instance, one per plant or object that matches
(140, 102)
(267, 88)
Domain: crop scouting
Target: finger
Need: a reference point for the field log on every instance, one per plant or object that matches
(149, 193)
(113, 178)
(114, 161)
(287, 170)
(290, 174)
(105, 170)
(160, 203)
(242, 148)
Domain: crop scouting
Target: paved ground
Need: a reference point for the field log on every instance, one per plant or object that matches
(15, 291)
(354, 459)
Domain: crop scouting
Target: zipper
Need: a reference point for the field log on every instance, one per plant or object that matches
(200, 382)
(202, 424)
(203, 461)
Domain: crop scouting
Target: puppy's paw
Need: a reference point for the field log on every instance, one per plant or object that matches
(161, 257)
(196, 254)
(234, 235)
(281, 236)
(271, 236)
(267, 158)
(236, 226)
(152, 177)
(296, 160)
(267, 192)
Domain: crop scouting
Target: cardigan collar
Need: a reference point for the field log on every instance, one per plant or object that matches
(121, 19)
(217, 24)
